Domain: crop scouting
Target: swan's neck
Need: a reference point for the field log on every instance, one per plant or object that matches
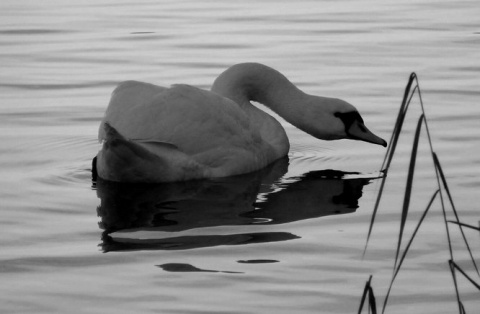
(247, 82)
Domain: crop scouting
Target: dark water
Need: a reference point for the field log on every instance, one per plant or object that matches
(288, 239)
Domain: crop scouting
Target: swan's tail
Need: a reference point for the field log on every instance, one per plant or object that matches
(123, 147)
(126, 160)
(121, 159)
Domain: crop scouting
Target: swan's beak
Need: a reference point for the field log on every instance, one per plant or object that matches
(358, 131)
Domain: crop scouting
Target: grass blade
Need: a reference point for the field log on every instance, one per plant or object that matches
(445, 185)
(453, 264)
(374, 213)
(368, 290)
(461, 309)
(364, 295)
(464, 225)
(371, 300)
(407, 97)
(397, 270)
(408, 188)
(398, 125)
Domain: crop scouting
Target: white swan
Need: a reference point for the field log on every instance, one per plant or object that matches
(157, 134)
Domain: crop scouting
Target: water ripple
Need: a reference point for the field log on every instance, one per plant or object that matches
(309, 155)
(33, 31)
(43, 86)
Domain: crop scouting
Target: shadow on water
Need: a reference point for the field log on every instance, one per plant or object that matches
(186, 215)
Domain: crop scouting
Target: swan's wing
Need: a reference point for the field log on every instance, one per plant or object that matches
(192, 119)
(158, 148)
(128, 98)
(155, 143)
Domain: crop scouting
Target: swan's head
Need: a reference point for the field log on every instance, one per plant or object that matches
(337, 119)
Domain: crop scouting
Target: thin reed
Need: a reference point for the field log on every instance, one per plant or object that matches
(368, 292)
(440, 191)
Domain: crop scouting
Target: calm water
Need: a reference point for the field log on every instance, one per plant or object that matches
(272, 242)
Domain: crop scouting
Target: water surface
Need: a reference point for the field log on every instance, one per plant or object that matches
(288, 239)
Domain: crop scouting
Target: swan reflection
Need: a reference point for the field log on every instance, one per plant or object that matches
(226, 211)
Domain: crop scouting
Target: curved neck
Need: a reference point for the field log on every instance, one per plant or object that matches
(252, 81)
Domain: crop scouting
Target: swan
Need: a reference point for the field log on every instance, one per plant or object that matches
(158, 134)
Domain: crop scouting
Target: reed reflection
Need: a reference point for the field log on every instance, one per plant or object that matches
(226, 211)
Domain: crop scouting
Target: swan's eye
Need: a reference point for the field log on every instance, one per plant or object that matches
(348, 118)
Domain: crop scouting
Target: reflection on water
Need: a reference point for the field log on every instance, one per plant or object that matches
(178, 267)
(175, 212)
